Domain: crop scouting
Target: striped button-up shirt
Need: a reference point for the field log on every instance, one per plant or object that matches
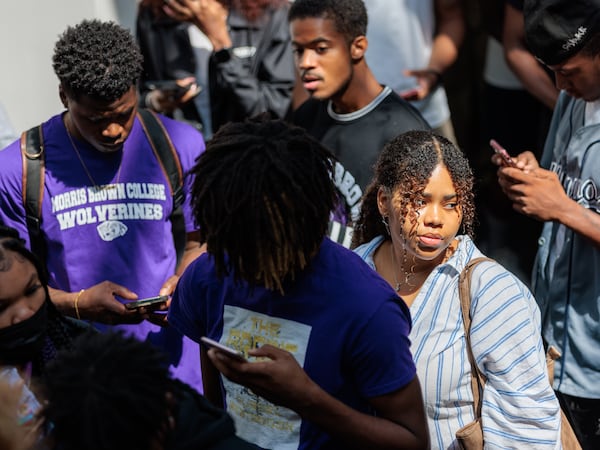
(519, 408)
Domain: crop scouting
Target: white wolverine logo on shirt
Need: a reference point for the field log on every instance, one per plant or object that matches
(111, 229)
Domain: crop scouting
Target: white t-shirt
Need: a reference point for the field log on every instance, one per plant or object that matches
(592, 112)
(400, 35)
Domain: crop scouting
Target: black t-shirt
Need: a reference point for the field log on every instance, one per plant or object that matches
(357, 138)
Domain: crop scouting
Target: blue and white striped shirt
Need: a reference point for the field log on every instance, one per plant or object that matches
(519, 408)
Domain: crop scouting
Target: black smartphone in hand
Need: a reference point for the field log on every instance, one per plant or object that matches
(153, 302)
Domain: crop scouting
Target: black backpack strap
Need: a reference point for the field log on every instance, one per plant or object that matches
(162, 146)
(32, 154)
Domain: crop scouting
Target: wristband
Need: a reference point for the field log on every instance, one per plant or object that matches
(76, 302)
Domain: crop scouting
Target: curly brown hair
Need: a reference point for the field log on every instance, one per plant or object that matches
(405, 165)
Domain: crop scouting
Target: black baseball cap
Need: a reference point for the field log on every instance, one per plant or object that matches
(555, 30)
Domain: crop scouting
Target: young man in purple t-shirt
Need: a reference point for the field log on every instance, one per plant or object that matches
(106, 200)
(329, 364)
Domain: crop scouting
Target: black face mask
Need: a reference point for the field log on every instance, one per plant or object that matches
(22, 342)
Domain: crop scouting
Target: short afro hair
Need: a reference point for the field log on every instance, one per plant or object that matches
(97, 59)
(349, 16)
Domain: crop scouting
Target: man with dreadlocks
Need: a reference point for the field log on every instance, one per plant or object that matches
(105, 199)
(328, 361)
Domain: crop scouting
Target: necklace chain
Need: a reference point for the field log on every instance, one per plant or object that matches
(406, 274)
(87, 172)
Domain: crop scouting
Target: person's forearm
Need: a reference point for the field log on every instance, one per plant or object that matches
(532, 75)
(64, 301)
(216, 31)
(192, 251)
(356, 429)
(523, 64)
(581, 220)
(220, 41)
(449, 36)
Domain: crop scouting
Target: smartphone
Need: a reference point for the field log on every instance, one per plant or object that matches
(223, 348)
(170, 86)
(508, 161)
(150, 301)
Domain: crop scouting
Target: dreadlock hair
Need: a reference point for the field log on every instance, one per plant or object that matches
(405, 165)
(262, 196)
(349, 16)
(107, 393)
(97, 59)
(60, 331)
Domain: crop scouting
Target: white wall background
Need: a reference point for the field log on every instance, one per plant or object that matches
(28, 32)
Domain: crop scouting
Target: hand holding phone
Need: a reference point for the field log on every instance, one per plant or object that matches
(223, 349)
(152, 302)
(506, 158)
(172, 87)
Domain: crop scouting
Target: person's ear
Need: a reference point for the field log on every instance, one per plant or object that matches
(383, 201)
(63, 96)
(358, 47)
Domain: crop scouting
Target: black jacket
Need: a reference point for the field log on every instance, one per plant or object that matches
(258, 74)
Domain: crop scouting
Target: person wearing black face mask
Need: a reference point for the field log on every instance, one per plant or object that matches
(32, 330)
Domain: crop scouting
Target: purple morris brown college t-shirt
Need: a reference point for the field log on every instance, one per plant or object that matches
(120, 233)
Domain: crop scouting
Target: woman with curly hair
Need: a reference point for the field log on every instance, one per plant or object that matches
(419, 199)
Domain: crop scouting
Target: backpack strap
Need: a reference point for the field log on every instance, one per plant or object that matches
(163, 149)
(464, 289)
(32, 155)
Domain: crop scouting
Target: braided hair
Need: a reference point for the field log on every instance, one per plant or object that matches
(406, 164)
(262, 196)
